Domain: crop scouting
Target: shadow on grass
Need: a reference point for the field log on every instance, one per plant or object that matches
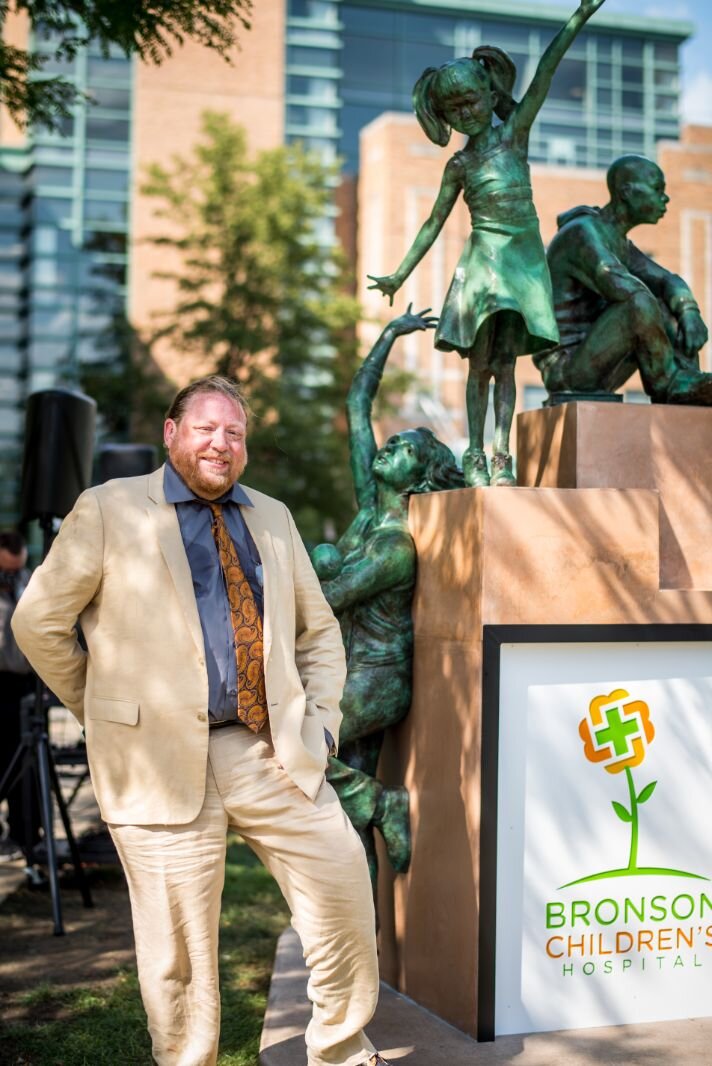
(89, 1025)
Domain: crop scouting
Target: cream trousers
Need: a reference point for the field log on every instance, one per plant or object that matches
(175, 876)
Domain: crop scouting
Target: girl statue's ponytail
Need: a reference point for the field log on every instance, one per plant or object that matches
(432, 124)
(503, 75)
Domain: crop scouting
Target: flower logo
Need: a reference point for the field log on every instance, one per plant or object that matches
(616, 735)
(617, 731)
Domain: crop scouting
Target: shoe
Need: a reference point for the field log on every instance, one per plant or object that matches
(35, 878)
(502, 470)
(393, 820)
(686, 386)
(474, 468)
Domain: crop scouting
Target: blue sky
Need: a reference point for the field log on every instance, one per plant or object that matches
(696, 54)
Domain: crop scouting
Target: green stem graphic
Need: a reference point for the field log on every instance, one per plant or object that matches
(633, 857)
(640, 871)
(632, 869)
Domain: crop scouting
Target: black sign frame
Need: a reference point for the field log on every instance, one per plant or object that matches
(493, 638)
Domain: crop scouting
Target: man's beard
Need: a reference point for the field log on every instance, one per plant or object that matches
(209, 485)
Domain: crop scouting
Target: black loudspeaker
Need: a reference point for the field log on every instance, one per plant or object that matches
(125, 460)
(59, 441)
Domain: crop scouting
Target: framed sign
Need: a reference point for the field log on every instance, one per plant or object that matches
(596, 848)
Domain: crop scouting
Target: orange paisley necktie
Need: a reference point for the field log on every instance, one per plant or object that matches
(247, 626)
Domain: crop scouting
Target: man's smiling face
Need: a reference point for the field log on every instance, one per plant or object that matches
(207, 446)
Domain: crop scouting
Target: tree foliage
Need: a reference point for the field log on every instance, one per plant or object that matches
(131, 393)
(263, 299)
(149, 29)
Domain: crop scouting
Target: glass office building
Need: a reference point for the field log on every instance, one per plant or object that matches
(80, 178)
(616, 91)
(15, 211)
(64, 226)
(65, 196)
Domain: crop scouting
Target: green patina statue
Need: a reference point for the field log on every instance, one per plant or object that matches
(618, 311)
(368, 577)
(499, 304)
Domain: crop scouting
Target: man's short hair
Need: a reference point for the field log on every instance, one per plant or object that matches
(212, 383)
(12, 541)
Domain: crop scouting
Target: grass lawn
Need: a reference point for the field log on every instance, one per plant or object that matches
(54, 1021)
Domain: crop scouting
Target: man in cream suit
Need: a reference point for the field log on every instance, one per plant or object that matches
(139, 564)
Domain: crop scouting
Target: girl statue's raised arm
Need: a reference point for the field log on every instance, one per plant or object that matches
(530, 104)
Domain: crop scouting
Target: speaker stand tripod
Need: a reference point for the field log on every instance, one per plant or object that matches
(33, 758)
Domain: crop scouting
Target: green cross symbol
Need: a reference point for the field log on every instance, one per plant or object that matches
(617, 731)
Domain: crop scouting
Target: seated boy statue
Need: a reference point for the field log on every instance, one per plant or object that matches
(617, 310)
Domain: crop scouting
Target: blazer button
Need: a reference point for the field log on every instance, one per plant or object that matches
(202, 717)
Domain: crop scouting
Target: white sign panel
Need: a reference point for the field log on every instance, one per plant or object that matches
(604, 850)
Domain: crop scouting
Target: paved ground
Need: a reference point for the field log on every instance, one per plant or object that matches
(407, 1035)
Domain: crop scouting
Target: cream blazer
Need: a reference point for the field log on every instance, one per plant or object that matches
(118, 565)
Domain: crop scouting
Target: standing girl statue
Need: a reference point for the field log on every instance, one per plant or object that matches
(499, 304)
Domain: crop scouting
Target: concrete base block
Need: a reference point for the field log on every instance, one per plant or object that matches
(632, 446)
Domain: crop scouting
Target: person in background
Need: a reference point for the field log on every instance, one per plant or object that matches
(16, 679)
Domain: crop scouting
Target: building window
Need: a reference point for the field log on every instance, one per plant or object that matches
(107, 129)
(632, 101)
(106, 181)
(106, 211)
(569, 82)
(319, 119)
(111, 98)
(318, 90)
(54, 176)
(108, 70)
(312, 57)
(562, 151)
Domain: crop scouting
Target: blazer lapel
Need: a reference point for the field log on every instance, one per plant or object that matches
(168, 531)
(263, 542)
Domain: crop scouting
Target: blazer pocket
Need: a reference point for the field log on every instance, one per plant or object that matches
(110, 710)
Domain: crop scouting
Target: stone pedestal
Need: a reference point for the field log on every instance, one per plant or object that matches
(612, 525)
(628, 446)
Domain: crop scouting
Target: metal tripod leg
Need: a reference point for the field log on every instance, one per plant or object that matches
(35, 742)
(42, 756)
(6, 783)
(68, 832)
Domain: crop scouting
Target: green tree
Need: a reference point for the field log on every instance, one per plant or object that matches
(263, 299)
(149, 29)
(131, 393)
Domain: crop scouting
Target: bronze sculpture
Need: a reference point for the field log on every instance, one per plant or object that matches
(499, 304)
(618, 311)
(368, 578)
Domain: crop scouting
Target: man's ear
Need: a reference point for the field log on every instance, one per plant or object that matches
(169, 432)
